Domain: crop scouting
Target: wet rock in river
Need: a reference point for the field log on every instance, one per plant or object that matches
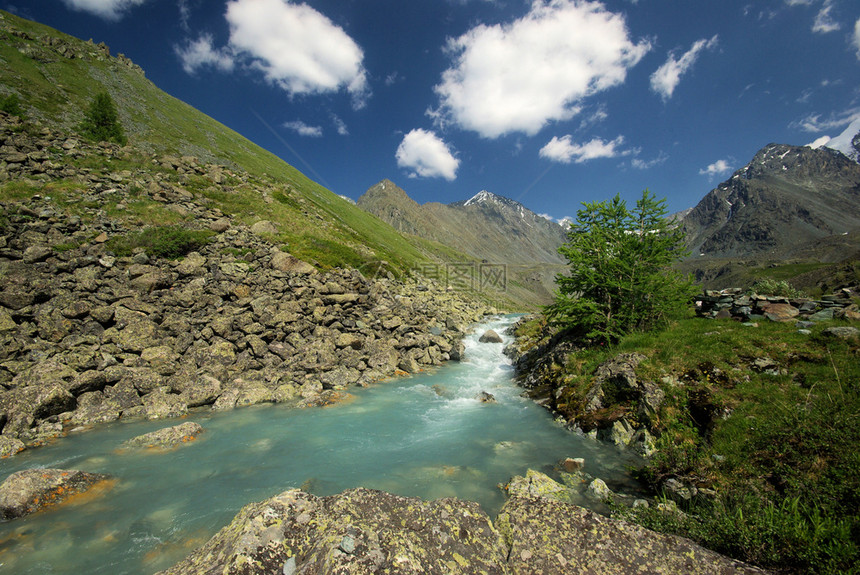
(490, 336)
(168, 437)
(31, 490)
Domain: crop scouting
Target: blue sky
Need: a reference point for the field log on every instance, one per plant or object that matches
(551, 102)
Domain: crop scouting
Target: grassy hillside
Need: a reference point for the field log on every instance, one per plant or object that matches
(55, 77)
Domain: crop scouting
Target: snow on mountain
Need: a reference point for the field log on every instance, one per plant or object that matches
(847, 142)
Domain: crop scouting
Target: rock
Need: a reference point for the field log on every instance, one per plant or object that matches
(28, 491)
(285, 262)
(850, 313)
(614, 382)
(780, 311)
(620, 433)
(599, 490)
(485, 397)
(161, 404)
(678, 491)
(841, 332)
(552, 537)
(10, 446)
(490, 336)
(572, 465)
(363, 532)
(358, 532)
(535, 484)
(168, 437)
(264, 227)
(220, 225)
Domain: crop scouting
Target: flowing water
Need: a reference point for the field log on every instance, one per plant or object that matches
(425, 436)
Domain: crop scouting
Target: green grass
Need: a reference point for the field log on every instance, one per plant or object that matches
(780, 448)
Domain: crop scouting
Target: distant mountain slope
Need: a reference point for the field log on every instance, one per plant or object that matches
(785, 199)
(486, 226)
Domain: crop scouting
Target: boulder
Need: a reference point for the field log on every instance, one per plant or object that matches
(285, 262)
(490, 336)
(485, 397)
(841, 332)
(10, 446)
(360, 532)
(168, 437)
(264, 227)
(28, 491)
(552, 537)
(779, 311)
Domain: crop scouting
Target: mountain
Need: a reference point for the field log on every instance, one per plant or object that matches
(491, 228)
(487, 226)
(784, 200)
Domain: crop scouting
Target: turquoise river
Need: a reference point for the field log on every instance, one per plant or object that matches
(426, 436)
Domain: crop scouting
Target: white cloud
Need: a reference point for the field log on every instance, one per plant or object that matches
(666, 78)
(564, 150)
(201, 52)
(339, 125)
(815, 124)
(107, 9)
(519, 76)
(303, 129)
(426, 156)
(641, 164)
(296, 48)
(718, 168)
(855, 39)
(824, 22)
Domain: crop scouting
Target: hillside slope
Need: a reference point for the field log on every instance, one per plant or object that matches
(55, 77)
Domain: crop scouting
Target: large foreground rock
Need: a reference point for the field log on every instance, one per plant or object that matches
(362, 531)
(357, 532)
(30, 490)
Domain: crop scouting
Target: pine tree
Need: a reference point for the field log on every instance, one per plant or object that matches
(620, 278)
(101, 122)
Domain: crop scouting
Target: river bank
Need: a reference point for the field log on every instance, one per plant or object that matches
(88, 338)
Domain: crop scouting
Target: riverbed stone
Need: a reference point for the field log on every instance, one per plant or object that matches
(168, 437)
(10, 446)
(490, 336)
(31, 490)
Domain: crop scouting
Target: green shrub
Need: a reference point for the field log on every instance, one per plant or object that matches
(11, 104)
(101, 121)
(168, 242)
(775, 287)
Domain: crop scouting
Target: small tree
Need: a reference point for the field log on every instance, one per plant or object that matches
(11, 104)
(101, 122)
(620, 276)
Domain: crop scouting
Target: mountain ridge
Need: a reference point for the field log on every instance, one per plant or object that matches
(487, 226)
(783, 199)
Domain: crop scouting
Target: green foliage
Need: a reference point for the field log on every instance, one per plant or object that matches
(791, 535)
(775, 287)
(11, 104)
(779, 450)
(620, 277)
(101, 122)
(169, 242)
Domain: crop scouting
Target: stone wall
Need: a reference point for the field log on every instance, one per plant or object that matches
(734, 303)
